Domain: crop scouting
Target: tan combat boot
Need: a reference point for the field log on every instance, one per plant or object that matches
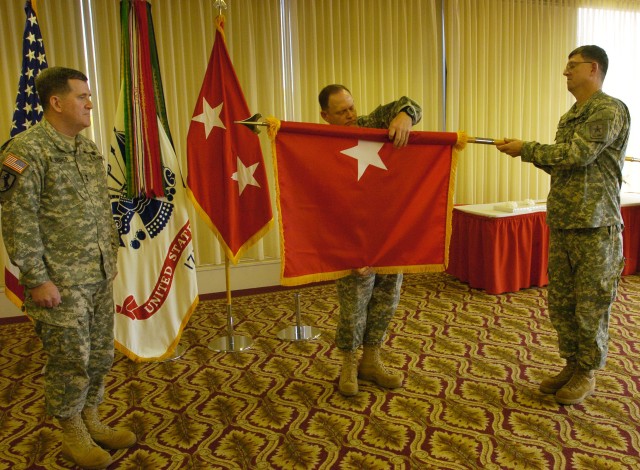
(555, 383)
(348, 385)
(78, 446)
(103, 434)
(581, 385)
(371, 368)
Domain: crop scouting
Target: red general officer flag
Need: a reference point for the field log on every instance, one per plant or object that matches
(348, 199)
(227, 180)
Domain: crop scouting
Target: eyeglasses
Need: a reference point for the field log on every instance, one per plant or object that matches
(572, 65)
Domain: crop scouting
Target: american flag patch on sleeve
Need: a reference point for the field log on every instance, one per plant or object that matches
(15, 163)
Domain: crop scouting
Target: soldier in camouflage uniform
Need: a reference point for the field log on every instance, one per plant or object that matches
(367, 300)
(58, 230)
(583, 214)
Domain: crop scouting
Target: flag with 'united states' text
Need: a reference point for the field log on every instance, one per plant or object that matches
(155, 291)
(348, 199)
(27, 112)
(227, 180)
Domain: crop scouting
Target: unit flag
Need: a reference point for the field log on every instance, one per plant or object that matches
(155, 290)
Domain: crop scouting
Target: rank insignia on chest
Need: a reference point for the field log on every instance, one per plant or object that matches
(15, 163)
(598, 130)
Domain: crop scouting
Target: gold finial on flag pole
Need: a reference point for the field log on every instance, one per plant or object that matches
(220, 5)
(253, 123)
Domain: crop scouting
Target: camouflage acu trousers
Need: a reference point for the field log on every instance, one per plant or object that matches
(78, 357)
(584, 268)
(367, 304)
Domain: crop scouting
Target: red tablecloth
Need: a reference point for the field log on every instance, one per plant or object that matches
(631, 238)
(506, 254)
(499, 255)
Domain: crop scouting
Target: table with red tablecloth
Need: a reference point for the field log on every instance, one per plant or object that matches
(504, 252)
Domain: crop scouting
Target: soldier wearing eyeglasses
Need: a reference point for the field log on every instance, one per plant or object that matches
(583, 214)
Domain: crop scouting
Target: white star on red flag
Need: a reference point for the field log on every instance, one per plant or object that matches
(210, 117)
(244, 175)
(366, 153)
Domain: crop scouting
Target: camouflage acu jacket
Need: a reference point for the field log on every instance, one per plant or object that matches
(382, 116)
(585, 164)
(56, 216)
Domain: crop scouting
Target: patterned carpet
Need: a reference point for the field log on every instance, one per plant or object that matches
(472, 363)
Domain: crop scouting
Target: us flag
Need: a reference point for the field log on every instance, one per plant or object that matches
(27, 112)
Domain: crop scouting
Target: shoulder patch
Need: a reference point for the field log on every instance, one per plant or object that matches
(7, 179)
(15, 163)
(598, 130)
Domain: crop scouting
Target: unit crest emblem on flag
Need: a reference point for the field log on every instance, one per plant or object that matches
(155, 214)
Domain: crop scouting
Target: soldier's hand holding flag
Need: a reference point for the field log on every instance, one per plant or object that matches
(512, 147)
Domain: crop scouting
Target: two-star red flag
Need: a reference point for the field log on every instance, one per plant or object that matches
(27, 112)
(227, 180)
(348, 199)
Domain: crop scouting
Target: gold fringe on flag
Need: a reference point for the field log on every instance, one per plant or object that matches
(273, 126)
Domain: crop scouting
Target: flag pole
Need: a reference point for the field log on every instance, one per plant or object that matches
(230, 342)
(298, 332)
(254, 121)
(484, 140)
(220, 5)
(212, 153)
